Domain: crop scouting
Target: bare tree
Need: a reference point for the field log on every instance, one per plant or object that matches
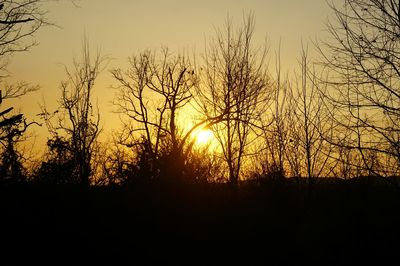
(312, 124)
(275, 135)
(151, 94)
(234, 91)
(12, 128)
(116, 165)
(19, 21)
(77, 118)
(363, 59)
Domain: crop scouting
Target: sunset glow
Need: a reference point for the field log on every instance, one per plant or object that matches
(204, 137)
(266, 130)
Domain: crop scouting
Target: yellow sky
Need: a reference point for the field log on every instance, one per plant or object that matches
(121, 28)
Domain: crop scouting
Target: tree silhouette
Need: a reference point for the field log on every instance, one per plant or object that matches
(312, 124)
(59, 166)
(362, 56)
(276, 128)
(77, 118)
(234, 91)
(19, 21)
(118, 166)
(151, 93)
(11, 164)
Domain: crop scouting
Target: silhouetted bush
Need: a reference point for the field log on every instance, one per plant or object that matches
(60, 166)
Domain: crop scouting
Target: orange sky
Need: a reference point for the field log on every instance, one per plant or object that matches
(121, 28)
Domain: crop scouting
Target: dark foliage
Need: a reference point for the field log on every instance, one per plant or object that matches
(60, 167)
(158, 222)
(11, 160)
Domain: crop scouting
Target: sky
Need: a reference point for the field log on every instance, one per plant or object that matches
(122, 28)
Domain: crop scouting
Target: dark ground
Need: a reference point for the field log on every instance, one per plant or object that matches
(209, 224)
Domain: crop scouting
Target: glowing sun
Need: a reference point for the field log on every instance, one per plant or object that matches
(204, 137)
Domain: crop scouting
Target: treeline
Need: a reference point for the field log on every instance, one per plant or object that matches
(336, 116)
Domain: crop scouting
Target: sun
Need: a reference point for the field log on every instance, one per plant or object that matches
(204, 137)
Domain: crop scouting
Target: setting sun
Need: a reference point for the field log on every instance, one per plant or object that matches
(204, 137)
(267, 130)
